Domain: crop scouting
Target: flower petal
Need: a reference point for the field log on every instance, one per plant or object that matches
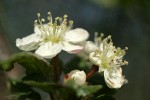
(76, 35)
(114, 78)
(78, 76)
(90, 47)
(71, 48)
(28, 43)
(49, 50)
(37, 30)
(95, 59)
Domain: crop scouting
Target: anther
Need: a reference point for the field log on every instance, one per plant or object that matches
(49, 13)
(109, 37)
(126, 48)
(125, 62)
(71, 22)
(65, 16)
(102, 34)
(35, 21)
(43, 20)
(38, 14)
(56, 18)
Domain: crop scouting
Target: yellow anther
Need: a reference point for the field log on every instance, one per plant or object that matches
(125, 62)
(109, 37)
(49, 13)
(43, 20)
(56, 18)
(70, 22)
(126, 48)
(35, 21)
(102, 34)
(60, 20)
(49, 18)
(65, 16)
(38, 14)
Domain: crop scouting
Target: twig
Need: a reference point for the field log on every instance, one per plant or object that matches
(93, 70)
(56, 67)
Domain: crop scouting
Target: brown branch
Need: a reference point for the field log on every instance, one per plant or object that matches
(56, 67)
(93, 70)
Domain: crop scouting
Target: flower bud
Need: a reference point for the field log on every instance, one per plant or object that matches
(79, 77)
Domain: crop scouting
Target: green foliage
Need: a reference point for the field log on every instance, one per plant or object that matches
(86, 90)
(58, 91)
(34, 65)
(105, 97)
(39, 75)
(21, 91)
(37, 69)
(45, 86)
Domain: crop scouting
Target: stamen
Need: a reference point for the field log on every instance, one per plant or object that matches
(53, 31)
(65, 16)
(49, 17)
(38, 14)
(125, 62)
(109, 36)
(35, 22)
(55, 25)
(115, 59)
(43, 20)
(95, 38)
(70, 25)
(126, 48)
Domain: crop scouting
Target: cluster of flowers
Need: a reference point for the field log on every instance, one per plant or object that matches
(49, 38)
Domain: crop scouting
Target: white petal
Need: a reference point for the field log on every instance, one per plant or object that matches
(90, 47)
(76, 35)
(114, 78)
(71, 48)
(101, 69)
(78, 76)
(29, 43)
(49, 50)
(94, 59)
(37, 30)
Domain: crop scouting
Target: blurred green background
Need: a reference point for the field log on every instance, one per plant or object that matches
(128, 21)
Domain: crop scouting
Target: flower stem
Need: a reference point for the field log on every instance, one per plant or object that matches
(56, 67)
(93, 70)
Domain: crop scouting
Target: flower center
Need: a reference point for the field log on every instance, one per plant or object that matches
(53, 39)
(105, 63)
(53, 32)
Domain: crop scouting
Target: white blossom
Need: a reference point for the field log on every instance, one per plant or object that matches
(109, 59)
(114, 78)
(50, 38)
(79, 77)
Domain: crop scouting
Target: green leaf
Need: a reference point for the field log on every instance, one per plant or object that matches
(88, 90)
(31, 62)
(23, 96)
(45, 86)
(16, 96)
(55, 90)
(104, 97)
(85, 90)
(21, 91)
